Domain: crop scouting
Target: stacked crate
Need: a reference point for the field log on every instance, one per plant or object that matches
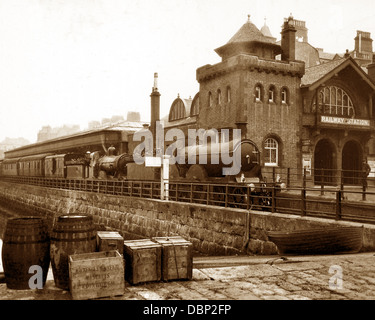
(103, 273)
(109, 240)
(177, 258)
(142, 261)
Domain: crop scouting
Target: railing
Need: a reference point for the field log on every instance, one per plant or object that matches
(355, 202)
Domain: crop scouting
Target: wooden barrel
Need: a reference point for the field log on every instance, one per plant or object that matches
(71, 234)
(25, 244)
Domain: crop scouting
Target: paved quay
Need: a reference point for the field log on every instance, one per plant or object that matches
(328, 277)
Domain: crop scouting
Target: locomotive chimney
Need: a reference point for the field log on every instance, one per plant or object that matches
(288, 40)
(155, 108)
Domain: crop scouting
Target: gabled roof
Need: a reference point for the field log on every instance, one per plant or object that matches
(317, 75)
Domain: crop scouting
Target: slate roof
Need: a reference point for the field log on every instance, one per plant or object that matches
(266, 31)
(248, 35)
(249, 32)
(314, 73)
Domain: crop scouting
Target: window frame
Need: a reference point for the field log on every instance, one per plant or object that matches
(268, 148)
(258, 93)
(272, 90)
(284, 100)
(229, 94)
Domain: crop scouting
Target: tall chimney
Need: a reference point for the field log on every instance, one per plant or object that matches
(155, 108)
(288, 40)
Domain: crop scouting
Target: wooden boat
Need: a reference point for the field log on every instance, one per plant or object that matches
(325, 240)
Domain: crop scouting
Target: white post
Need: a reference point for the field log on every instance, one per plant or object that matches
(165, 178)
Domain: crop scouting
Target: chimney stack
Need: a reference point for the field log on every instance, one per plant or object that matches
(288, 40)
(155, 108)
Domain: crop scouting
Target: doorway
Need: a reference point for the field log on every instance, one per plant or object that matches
(324, 163)
(352, 163)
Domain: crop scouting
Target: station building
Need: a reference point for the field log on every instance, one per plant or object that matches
(303, 108)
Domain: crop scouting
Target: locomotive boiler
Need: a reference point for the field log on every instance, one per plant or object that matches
(111, 165)
(220, 162)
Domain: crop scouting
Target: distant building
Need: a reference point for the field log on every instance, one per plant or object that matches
(362, 53)
(47, 133)
(10, 144)
(133, 116)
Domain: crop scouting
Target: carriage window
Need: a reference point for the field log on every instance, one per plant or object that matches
(271, 149)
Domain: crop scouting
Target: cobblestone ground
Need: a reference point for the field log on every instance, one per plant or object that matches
(334, 277)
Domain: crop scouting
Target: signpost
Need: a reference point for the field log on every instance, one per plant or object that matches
(163, 163)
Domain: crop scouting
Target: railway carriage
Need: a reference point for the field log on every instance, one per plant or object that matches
(32, 166)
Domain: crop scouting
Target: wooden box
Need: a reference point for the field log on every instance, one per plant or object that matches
(176, 257)
(142, 261)
(109, 240)
(95, 275)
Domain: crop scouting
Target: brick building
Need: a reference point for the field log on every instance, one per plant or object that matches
(316, 114)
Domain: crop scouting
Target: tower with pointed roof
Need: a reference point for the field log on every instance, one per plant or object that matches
(301, 114)
(267, 32)
(258, 92)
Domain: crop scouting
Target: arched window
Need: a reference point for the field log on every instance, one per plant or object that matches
(258, 93)
(218, 96)
(335, 101)
(195, 105)
(271, 94)
(271, 151)
(228, 94)
(284, 96)
(209, 99)
(177, 110)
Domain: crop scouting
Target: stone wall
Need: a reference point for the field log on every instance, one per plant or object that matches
(212, 230)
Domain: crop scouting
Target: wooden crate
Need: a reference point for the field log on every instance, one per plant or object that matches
(176, 257)
(109, 240)
(142, 261)
(95, 275)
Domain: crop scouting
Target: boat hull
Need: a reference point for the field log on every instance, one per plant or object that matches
(327, 240)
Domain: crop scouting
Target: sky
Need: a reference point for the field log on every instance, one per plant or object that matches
(75, 61)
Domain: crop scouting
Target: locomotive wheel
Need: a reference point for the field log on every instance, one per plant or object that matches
(237, 197)
(174, 175)
(196, 173)
(265, 201)
(217, 195)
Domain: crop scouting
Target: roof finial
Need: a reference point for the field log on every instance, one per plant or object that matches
(248, 18)
(265, 20)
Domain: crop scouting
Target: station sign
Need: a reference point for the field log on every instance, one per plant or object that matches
(345, 121)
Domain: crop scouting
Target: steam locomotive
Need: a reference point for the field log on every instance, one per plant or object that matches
(123, 167)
